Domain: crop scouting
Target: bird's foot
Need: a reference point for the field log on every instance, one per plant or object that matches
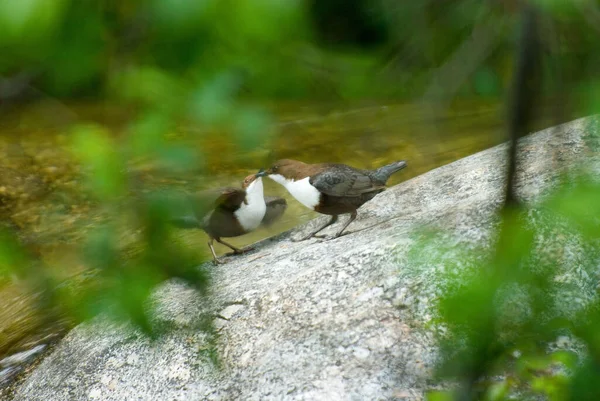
(329, 238)
(340, 234)
(218, 262)
(240, 251)
(306, 237)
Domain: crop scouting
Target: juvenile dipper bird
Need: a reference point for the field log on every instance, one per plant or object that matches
(231, 212)
(331, 189)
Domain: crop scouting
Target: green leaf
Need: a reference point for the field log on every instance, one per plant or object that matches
(134, 287)
(180, 15)
(150, 86)
(439, 396)
(578, 203)
(97, 151)
(29, 20)
(497, 391)
(486, 82)
(213, 103)
(13, 260)
(146, 134)
(567, 358)
(252, 127)
(100, 249)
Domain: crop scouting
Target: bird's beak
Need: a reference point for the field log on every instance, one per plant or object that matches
(261, 173)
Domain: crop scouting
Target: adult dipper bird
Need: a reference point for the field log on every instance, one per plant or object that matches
(331, 189)
(231, 212)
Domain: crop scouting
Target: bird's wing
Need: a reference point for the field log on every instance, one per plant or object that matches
(230, 198)
(190, 210)
(343, 181)
(227, 197)
(276, 206)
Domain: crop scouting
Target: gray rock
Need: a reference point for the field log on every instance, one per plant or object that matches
(345, 319)
(21, 357)
(15, 363)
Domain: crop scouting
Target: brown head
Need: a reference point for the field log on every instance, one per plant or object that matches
(254, 178)
(289, 169)
(249, 180)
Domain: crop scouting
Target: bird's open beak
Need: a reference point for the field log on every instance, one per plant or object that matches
(261, 173)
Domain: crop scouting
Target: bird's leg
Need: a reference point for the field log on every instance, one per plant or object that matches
(350, 220)
(330, 222)
(236, 251)
(216, 260)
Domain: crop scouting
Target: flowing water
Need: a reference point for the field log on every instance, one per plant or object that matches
(41, 190)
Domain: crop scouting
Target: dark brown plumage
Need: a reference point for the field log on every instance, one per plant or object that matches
(216, 212)
(276, 206)
(330, 188)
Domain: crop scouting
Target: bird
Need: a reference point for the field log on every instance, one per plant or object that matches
(330, 188)
(232, 212)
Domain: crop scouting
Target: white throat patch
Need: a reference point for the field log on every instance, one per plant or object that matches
(250, 215)
(304, 193)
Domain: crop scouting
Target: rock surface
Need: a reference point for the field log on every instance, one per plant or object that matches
(343, 319)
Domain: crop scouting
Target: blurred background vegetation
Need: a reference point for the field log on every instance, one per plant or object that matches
(107, 105)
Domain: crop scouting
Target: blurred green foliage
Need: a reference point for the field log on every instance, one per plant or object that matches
(212, 62)
(519, 325)
(175, 50)
(503, 317)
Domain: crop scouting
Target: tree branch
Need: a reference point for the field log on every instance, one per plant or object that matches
(523, 97)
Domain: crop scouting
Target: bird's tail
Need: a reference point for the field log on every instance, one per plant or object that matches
(383, 173)
(275, 208)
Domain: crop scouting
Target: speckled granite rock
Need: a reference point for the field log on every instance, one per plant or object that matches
(320, 320)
